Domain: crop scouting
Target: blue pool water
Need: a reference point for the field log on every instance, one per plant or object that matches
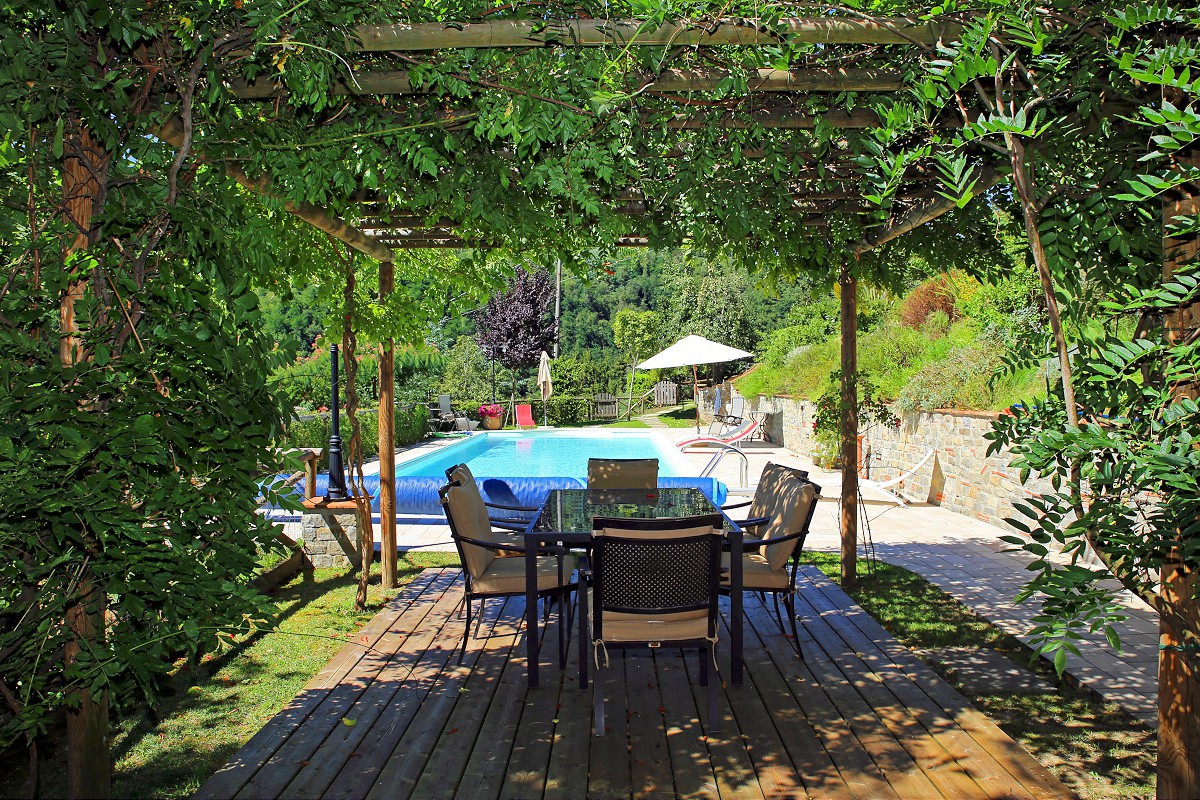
(521, 468)
(541, 454)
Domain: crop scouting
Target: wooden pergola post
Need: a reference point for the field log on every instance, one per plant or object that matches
(849, 428)
(85, 169)
(1178, 682)
(387, 440)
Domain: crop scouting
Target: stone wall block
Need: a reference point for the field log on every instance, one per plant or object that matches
(331, 538)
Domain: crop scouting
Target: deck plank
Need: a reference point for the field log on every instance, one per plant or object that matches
(384, 710)
(686, 744)
(650, 757)
(860, 718)
(275, 775)
(230, 779)
(609, 765)
(411, 755)
(973, 741)
(817, 693)
(444, 771)
(567, 768)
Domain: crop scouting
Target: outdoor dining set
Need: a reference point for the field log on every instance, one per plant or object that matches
(654, 561)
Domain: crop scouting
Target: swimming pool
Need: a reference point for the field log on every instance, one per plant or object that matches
(543, 454)
(521, 467)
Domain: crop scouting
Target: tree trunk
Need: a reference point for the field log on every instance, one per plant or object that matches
(1178, 682)
(387, 441)
(849, 323)
(1024, 185)
(84, 178)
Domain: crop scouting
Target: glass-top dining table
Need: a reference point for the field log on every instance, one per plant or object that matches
(566, 519)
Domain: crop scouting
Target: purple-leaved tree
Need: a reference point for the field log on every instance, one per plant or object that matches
(516, 325)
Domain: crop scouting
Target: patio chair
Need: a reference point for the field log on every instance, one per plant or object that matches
(485, 576)
(525, 416)
(736, 413)
(511, 525)
(734, 438)
(780, 514)
(655, 588)
(623, 473)
(445, 417)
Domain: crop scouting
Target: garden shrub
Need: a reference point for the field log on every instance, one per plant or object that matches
(935, 294)
(960, 380)
(411, 426)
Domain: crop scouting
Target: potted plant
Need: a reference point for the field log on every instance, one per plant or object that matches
(490, 415)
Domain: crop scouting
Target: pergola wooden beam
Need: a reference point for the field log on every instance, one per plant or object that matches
(673, 80)
(171, 132)
(625, 32)
(787, 118)
(930, 208)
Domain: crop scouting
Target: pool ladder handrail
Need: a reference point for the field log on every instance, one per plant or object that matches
(744, 467)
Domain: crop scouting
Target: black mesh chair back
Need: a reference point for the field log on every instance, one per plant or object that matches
(656, 588)
(655, 576)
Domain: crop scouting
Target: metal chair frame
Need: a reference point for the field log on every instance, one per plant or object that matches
(596, 577)
(789, 593)
(558, 592)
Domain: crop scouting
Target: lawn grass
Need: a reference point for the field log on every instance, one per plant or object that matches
(1093, 746)
(682, 417)
(217, 707)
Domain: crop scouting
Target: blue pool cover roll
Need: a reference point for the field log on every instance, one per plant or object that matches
(420, 495)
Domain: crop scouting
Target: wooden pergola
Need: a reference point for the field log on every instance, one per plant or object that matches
(775, 101)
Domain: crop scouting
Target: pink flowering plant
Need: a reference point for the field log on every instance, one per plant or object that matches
(491, 410)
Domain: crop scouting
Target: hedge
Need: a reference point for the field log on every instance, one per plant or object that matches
(412, 423)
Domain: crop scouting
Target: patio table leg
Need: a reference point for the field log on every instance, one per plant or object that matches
(531, 615)
(736, 620)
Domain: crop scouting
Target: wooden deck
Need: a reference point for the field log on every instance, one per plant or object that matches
(395, 716)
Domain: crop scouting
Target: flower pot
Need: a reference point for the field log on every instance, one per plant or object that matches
(490, 423)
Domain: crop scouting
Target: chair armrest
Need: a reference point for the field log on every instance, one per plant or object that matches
(748, 543)
(728, 506)
(511, 508)
(544, 550)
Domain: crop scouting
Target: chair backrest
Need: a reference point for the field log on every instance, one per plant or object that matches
(737, 406)
(669, 575)
(788, 501)
(444, 404)
(622, 473)
(468, 517)
(525, 416)
(714, 521)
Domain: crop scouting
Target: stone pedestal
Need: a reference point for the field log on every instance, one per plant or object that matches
(331, 538)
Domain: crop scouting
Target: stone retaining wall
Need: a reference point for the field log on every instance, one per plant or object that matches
(331, 538)
(960, 477)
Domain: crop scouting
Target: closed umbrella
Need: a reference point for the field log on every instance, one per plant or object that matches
(545, 384)
(689, 352)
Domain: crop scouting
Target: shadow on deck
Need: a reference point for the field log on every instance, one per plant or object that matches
(395, 716)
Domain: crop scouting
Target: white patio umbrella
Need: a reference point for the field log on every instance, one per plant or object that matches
(545, 384)
(689, 352)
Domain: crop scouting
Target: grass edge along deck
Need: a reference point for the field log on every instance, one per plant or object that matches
(860, 718)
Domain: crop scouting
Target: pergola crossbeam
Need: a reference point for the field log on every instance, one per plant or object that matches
(626, 32)
(394, 82)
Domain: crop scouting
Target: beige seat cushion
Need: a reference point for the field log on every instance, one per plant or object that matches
(620, 627)
(507, 575)
(793, 502)
(471, 520)
(462, 474)
(756, 573)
